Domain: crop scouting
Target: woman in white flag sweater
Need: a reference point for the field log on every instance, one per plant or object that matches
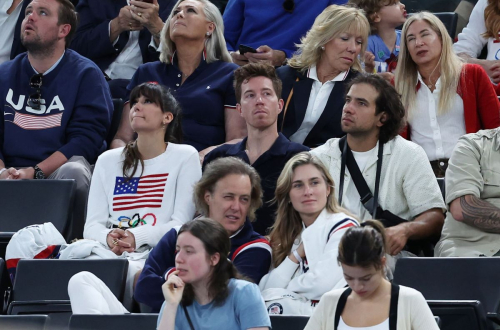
(141, 191)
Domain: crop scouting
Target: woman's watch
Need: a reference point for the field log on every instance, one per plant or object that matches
(39, 175)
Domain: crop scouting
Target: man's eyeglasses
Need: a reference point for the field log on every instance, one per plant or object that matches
(35, 99)
(289, 6)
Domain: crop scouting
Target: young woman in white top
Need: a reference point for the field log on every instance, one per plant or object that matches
(370, 302)
(306, 234)
(143, 190)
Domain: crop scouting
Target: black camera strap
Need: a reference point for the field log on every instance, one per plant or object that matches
(369, 200)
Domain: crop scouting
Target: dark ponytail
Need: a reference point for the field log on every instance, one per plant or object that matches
(363, 246)
(162, 97)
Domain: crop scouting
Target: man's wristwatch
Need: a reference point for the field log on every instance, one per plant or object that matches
(39, 175)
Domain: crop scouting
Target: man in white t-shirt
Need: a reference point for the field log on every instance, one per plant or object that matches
(408, 189)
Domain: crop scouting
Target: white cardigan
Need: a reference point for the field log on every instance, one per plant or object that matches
(321, 243)
(413, 311)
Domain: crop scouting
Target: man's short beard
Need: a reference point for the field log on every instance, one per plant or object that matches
(38, 48)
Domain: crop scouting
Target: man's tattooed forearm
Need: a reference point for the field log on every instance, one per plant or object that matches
(480, 214)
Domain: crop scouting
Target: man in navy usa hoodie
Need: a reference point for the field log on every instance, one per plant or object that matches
(55, 104)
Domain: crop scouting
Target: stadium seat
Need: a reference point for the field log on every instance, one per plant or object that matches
(28, 202)
(453, 279)
(106, 322)
(41, 286)
(23, 322)
(433, 6)
(438, 321)
(4, 282)
(115, 120)
(449, 20)
(459, 314)
(288, 322)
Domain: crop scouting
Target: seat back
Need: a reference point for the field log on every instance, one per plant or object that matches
(42, 285)
(452, 279)
(288, 322)
(28, 202)
(115, 120)
(4, 281)
(106, 322)
(433, 6)
(449, 20)
(438, 321)
(459, 314)
(23, 322)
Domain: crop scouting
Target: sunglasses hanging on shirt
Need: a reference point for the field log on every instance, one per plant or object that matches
(35, 99)
(289, 6)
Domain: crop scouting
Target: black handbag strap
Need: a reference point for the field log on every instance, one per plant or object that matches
(393, 307)
(188, 317)
(369, 200)
(340, 306)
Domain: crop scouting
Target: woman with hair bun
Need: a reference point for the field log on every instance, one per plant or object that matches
(370, 301)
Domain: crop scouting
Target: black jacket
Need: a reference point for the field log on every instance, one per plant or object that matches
(328, 125)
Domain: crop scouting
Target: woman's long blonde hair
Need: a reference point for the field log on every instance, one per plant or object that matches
(450, 66)
(333, 21)
(492, 20)
(215, 44)
(288, 224)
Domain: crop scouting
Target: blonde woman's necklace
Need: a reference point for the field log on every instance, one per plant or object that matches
(431, 85)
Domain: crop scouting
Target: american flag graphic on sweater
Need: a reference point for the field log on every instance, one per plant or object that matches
(136, 193)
